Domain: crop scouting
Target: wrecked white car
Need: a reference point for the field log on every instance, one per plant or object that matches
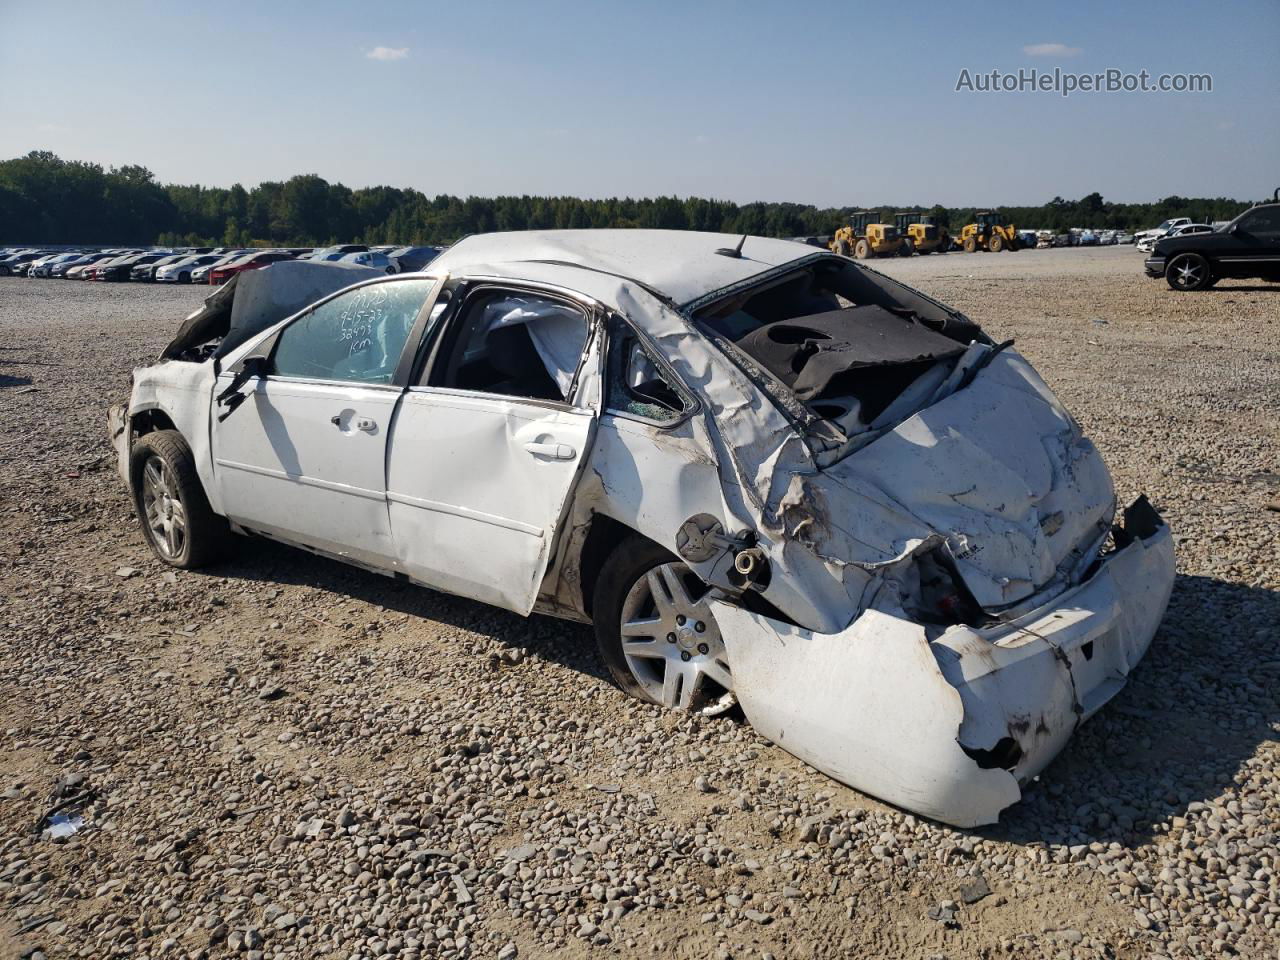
(765, 473)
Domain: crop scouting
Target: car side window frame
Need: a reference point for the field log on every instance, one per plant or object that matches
(459, 293)
(266, 348)
(620, 327)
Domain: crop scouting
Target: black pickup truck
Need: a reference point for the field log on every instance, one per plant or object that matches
(1246, 248)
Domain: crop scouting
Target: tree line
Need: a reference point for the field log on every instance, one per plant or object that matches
(45, 199)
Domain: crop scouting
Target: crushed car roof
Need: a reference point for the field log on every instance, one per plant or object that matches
(680, 264)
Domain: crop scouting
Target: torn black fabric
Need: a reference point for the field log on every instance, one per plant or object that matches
(834, 353)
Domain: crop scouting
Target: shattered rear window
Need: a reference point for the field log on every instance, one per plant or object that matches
(846, 341)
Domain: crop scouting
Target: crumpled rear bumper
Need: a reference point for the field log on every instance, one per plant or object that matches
(951, 729)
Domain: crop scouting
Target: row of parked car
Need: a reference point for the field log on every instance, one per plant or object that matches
(1079, 237)
(212, 265)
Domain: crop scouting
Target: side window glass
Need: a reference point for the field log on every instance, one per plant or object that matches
(637, 385)
(516, 344)
(357, 336)
(1262, 223)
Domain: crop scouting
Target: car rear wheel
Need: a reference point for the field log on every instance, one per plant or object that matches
(1190, 271)
(656, 632)
(180, 526)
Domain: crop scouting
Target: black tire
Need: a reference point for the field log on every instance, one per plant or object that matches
(908, 248)
(206, 535)
(1188, 272)
(701, 673)
(842, 247)
(862, 249)
(996, 243)
(970, 245)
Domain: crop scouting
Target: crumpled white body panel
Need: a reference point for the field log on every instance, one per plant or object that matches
(878, 707)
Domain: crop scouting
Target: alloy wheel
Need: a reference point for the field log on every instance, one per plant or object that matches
(671, 642)
(166, 517)
(1189, 273)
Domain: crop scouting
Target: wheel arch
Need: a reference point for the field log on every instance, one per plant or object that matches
(603, 536)
(149, 419)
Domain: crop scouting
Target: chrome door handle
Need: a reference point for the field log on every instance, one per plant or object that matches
(554, 451)
(365, 424)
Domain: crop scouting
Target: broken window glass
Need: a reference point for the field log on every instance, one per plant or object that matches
(637, 386)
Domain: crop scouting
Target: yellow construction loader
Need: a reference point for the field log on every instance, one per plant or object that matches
(988, 233)
(921, 233)
(867, 235)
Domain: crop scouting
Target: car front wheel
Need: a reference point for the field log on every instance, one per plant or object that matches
(656, 632)
(1190, 271)
(180, 526)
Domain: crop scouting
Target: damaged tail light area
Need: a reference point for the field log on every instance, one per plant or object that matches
(934, 595)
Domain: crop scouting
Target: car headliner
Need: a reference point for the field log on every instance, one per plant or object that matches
(680, 264)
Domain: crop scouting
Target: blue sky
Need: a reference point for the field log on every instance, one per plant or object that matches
(827, 103)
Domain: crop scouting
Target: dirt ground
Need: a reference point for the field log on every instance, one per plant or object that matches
(287, 757)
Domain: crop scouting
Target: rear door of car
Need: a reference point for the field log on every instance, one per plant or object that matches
(303, 457)
(490, 438)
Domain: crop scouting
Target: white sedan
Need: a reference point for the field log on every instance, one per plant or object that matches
(765, 473)
(183, 269)
(1148, 244)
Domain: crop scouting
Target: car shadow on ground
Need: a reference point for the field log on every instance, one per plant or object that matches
(562, 641)
(8, 381)
(1269, 288)
(1198, 706)
(1196, 709)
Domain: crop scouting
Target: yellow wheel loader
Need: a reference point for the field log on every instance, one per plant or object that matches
(988, 233)
(867, 235)
(921, 233)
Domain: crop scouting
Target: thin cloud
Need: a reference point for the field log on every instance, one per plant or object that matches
(388, 53)
(1050, 50)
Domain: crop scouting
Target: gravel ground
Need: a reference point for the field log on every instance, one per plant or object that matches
(286, 757)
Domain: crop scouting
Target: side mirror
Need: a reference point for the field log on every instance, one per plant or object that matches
(251, 367)
(1234, 228)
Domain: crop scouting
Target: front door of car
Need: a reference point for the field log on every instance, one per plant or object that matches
(303, 457)
(487, 446)
(1255, 247)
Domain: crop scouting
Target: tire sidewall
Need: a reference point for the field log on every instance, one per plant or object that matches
(207, 533)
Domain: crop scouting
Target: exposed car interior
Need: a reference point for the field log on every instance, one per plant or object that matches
(847, 342)
(517, 344)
